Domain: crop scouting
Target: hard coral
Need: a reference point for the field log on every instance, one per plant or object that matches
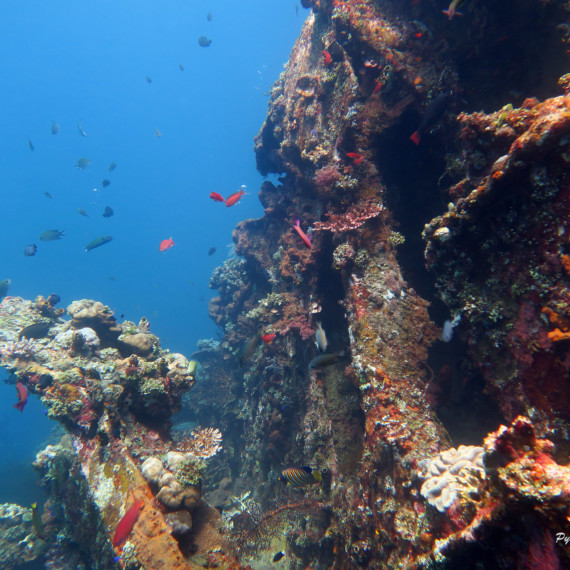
(447, 473)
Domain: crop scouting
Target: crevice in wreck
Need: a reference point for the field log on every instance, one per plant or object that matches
(342, 395)
(413, 196)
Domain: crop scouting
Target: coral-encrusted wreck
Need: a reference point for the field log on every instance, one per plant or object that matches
(392, 396)
(114, 389)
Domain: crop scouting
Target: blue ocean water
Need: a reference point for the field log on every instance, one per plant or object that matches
(74, 63)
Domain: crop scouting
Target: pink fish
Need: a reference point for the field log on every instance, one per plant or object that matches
(306, 239)
(22, 396)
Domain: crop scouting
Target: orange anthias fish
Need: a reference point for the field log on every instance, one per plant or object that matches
(306, 239)
(327, 56)
(268, 338)
(234, 198)
(127, 523)
(165, 244)
(356, 158)
(22, 396)
(217, 197)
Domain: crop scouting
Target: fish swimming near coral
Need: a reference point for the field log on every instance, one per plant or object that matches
(107, 212)
(97, 242)
(4, 287)
(355, 157)
(30, 250)
(165, 244)
(51, 235)
(452, 10)
(127, 523)
(321, 338)
(82, 163)
(433, 113)
(35, 330)
(327, 58)
(247, 350)
(306, 239)
(22, 396)
(37, 521)
(54, 128)
(235, 197)
(278, 556)
(203, 41)
(268, 338)
(324, 360)
(300, 476)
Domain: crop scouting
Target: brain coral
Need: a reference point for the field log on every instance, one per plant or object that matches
(448, 472)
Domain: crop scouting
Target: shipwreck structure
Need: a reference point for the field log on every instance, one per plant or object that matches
(430, 240)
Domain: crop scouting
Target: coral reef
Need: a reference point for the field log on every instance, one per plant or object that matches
(19, 542)
(114, 389)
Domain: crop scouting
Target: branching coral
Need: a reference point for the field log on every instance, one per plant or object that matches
(351, 219)
(205, 442)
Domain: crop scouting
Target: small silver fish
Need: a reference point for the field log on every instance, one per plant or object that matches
(321, 338)
(80, 129)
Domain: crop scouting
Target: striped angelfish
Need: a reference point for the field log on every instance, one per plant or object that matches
(300, 476)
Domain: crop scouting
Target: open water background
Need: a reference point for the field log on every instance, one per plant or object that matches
(74, 61)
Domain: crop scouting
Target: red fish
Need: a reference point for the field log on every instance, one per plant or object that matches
(378, 86)
(306, 239)
(327, 56)
(268, 338)
(356, 158)
(234, 198)
(217, 197)
(127, 523)
(165, 244)
(22, 396)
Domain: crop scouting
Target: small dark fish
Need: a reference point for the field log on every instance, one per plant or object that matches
(82, 163)
(30, 145)
(181, 67)
(105, 183)
(4, 287)
(107, 212)
(51, 235)
(209, 16)
(300, 476)
(203, 41)
(112, 166)
(211, 251)
(80, 129)
(30, 250)
(247, 350)
(83, 212)
(97, 242)
(324, 360)
(148, 79)
(53, 299)
(47, 195)
(37, 330)
(433, 113)
(54, 128)
(278, 556)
